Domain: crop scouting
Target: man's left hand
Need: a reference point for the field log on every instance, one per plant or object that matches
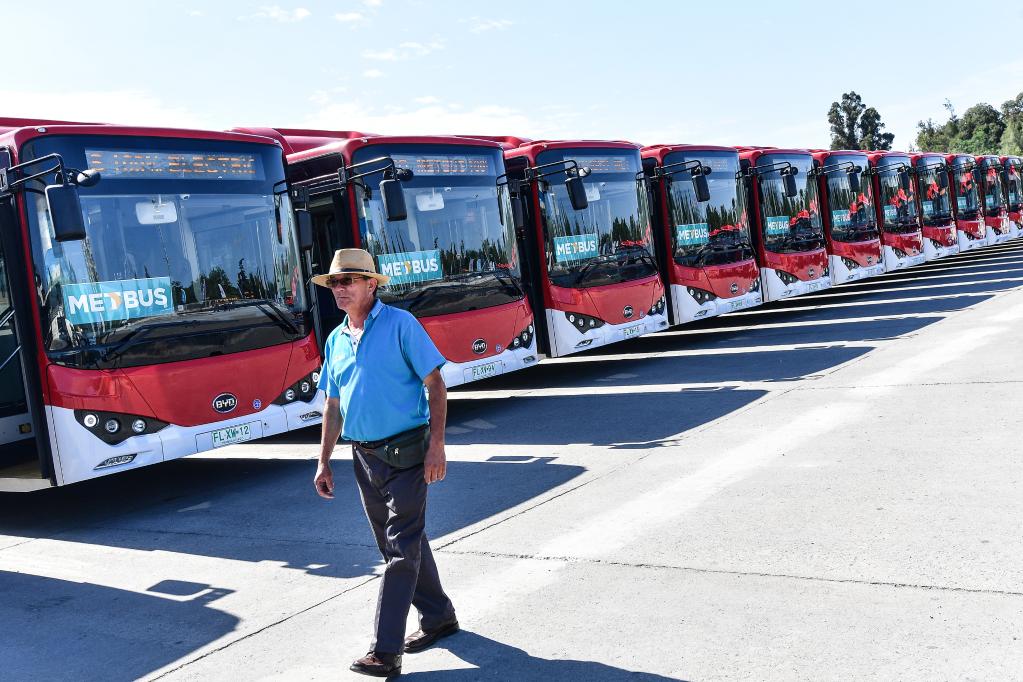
(435, 466)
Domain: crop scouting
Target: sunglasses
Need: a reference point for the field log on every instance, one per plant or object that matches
(345, 281)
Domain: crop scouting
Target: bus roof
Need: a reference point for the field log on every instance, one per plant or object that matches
(16, 137)
(659, 151)
(294, 140)
(348, 146)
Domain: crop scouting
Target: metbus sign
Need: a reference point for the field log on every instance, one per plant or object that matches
(413, 266)
(575, 247)
(95, 302)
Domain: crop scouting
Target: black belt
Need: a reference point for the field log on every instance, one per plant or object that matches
(375, 444)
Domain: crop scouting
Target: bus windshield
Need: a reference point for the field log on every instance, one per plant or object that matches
(991, 169)
(966, 190)
(1015, 195)
(790, 224)
(609, 241)
(898, 204)
(190, 251)
(852, 213)
(714, 232)
(456, 250)
(934, 199)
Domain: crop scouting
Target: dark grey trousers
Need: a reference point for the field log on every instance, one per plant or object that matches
(395, 503)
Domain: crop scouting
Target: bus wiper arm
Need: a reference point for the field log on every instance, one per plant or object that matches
(270, 309)
(137, 335)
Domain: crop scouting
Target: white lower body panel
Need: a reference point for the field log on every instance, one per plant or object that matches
(508, 360)
(968, 242)
(841, 273)
(10, 428)
(687, 309)
(566, 338)
(775, 289)
(77, 452)
(933, 252)
(893, 262)
(994, 237)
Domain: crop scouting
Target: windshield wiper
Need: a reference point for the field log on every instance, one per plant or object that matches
(138, 334)
(269, 308)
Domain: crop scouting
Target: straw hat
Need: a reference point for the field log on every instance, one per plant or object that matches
(351, 262)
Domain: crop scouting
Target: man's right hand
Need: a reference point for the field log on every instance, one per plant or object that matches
(324, 482)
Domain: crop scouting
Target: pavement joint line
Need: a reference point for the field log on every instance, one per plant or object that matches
(264, 538)
(24, 541)
(249, 635)
(723, 571)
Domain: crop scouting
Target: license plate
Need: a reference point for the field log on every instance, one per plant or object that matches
(629, 332)
(231, 434)
(737, 305)
(490, 369)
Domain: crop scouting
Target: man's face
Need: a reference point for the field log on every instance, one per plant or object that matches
(352, 292)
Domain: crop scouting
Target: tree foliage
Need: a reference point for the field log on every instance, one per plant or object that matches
(854, 125)
(981, 129)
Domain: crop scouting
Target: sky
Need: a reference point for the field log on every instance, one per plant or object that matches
(731, 73)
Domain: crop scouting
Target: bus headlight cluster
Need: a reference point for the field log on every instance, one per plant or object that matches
(304, 389)
(700, 295)
(850, 263)
(524, 338)
(899, 252)
(584, 323)
(786, 277)
(826, 271)
(755, 285)
(116, 427)
(658, 307)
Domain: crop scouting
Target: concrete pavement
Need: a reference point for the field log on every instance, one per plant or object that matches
(826, 488)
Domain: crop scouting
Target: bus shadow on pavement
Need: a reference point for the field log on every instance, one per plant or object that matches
(263, 510)
(619, 420)
(63, 630)
(494, 660)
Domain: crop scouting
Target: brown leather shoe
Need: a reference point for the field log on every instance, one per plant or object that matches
(378, 665)
(422, 639)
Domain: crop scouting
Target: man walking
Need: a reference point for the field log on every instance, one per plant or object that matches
(376, 365)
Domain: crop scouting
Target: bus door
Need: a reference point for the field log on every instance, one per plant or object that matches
(15, 423)
(522, 198)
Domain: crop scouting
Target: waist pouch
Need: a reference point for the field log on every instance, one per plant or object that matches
(407, 449)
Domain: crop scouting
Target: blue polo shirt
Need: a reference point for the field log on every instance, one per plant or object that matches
(380, 381)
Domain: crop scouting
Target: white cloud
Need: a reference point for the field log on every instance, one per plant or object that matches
(437, 119)
(372, 73)
(404, 51)
(279, 14)
(479, 24)
(372, 3)
(132, 107)
(350, 17)
(429, 99)
(196, 13)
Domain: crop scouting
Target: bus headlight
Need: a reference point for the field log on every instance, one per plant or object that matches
(658, 307)
(315, 376)
(701, 296)
(90, 421)
(304, 389)
(849, 263)
(107, 426)
(584, 323)
(755, 285)
(112, 425)
(524, 338)
(786, 277)
(139, 426)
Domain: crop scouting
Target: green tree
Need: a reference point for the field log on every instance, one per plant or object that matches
(1012, 139)
(980, 130)
(857, 126)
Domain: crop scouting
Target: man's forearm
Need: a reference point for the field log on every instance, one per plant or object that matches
(438, 407)
(331, 429)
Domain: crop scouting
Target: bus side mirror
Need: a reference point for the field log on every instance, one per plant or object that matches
(854, 180)
(576, 192)
(788, 177)
(394, 200)
(904, 180)
(943, 178)
(977, 176)
(700, 185)
(305, 229)
(518, 212)
(65, 212)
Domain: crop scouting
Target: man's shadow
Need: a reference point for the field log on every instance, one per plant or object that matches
(496, 661)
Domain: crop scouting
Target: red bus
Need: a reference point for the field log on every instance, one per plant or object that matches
(902, 240)
(1012, 167)
(786, 225)
(585, 241)
(152, 299)
(450, 252)
(993, 204)
(934, 205)
(847, 210)
(963, 179)
(701, 235)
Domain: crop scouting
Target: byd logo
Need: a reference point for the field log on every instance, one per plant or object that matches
(479, 346)
(224, 403)
(627, 312)
(734, 288)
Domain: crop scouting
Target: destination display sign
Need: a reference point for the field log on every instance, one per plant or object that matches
(139, 164)
(606, 164)
(445, 164)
